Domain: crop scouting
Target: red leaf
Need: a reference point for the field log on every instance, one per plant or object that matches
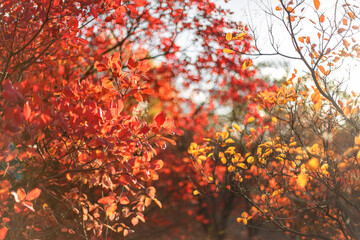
(160, 118)
(140, 3)
(147, 91)
(93, 13)
(35, 193)
(178, 132)
(100, 67)
(18, 208)
(83, 41)
(3, 232)
(106, 200)
(138, 97)
(120, 106)
(132, 64)
(27, 111)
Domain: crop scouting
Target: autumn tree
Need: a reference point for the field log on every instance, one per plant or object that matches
(77, 79)
(305, 169)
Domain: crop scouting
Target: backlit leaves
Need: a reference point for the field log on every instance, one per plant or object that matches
(228, 37)
(246, 65)
(227, 50)
(316, 4)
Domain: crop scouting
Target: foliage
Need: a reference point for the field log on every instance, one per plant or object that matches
(93, 129)
(305, 167)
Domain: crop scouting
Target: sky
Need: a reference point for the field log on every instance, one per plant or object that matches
(251, 13)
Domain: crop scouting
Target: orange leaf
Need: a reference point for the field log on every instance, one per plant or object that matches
(107, 83)
(345, 21)
(322, 18)
(158, 202)
(110, 209)
(124, 200)
(151, 192)
(357, 140)
(33, 194)
(3, 232)
(351, 15)
(317, 4)
(27, 111)
(106, 200)
(278, 8)
(134, 221)
(21, 194)
(157, 164)
(140, 3)
(228, 37)
(322, 70)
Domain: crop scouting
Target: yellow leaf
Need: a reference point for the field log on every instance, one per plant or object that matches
(313, 164)
(228, 37)
(242, 165)
(250, 159)
(274, 120)
(240, 36)
(317, 4)
(227, 50)
(250, 119)
(357, 140)
(196, 192)
(229, 140)
(237, 127)
(231, 168)
(246, 65)
(302, 179)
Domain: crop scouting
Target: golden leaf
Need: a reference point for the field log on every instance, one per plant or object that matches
(228, 37)
(302, 179)
(227, 50)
